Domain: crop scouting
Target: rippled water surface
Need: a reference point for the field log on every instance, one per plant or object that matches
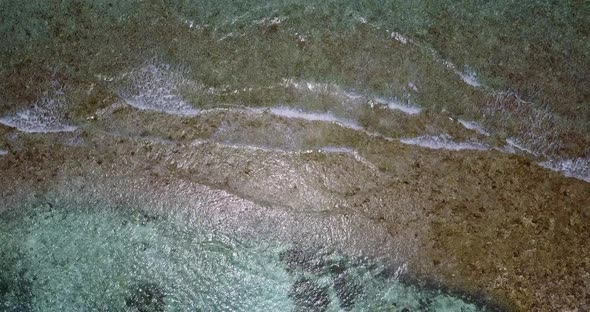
(329, 119)
(62, 257)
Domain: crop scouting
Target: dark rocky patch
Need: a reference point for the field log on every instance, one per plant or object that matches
(146, 218)
(15, 295)
(147, 297)
(336, 267)
(4, 288)
(424, 305)
(15, 285)
(480, 300)
(347, 290)
(309, 296)
(298, 259)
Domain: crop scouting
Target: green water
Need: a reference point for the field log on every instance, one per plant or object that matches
(518, 68)
(64, 257)
(538, 49)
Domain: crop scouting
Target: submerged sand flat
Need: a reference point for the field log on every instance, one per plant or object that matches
(487, 223)
(339, 155)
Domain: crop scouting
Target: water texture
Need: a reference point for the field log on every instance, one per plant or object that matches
(458, 128)
(64, 257)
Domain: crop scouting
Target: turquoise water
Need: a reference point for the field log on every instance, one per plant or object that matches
(62, 257)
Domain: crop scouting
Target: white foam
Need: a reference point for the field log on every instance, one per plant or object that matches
(396, 105)
(156, 88)
(353, 95)
(506, 149)
(470, 78)
(472, 125)
(193, 25)
(361, 19)
(256, 148)
(578, 168)
(300, 38)
(104, 77)
(3, 152)
(230, 35)
(288, 112)
(449, 65)
(35, 125)
(310, 86)
(43, 117)
(443, 141)
(399, 37)
(321, 88)
(337, 149)
(270, 21)
(512, 142)
(226, 109)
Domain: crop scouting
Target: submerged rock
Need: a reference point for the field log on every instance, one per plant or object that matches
(146, 297)
(299, 259)
(15, 293)
(309, 296)
(347, 290)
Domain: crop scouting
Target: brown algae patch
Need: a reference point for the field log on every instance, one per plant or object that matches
(480, 221)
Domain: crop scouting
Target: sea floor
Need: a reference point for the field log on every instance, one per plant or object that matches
(294, 156)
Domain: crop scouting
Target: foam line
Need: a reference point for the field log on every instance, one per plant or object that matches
(472, 125)
(26, 122)
(578, 168)
(396, 105)
(325, 117)
(515, 144)
(183, 109)
(469, 78)
(443, 142)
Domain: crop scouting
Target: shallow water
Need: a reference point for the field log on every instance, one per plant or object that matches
(236, 85)
(60, 256)
(444, 142)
